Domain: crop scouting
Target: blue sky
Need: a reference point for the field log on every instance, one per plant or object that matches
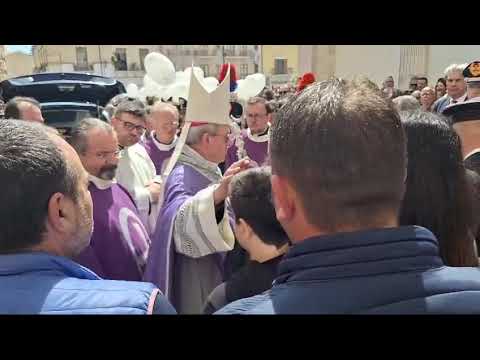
(23, 48)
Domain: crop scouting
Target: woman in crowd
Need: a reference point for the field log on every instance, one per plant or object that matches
(439, 194)
(440, 88)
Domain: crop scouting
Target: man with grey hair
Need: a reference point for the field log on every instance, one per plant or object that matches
(193, 231)
(465, 117)
(456, 88)
(160, 144)
(406, 103)
(46, 222)
(119, 246)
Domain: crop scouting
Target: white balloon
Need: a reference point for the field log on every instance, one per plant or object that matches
(181, 77)
(210, 83)
(177, 90)
(132, 90)
(141, 94)
(147, 81)
(196, 70)
(251, 86)
(159, 68)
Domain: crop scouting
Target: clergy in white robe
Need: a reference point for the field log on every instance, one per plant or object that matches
(136, 171)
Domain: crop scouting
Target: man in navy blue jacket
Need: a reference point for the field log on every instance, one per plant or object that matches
(339, 164)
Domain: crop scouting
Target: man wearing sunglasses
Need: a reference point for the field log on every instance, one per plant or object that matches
(136, 171)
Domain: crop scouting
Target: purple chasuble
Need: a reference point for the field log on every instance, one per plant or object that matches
(257, 151)
(166, 268)
(158, 156)
(119, 245)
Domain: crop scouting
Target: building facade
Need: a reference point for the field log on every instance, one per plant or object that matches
(19, 64)
(3, 65)
(126, 62)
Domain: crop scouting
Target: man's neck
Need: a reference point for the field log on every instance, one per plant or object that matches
(202, 153)
(266, 252)
(163, 141)
(457, 97)
(263, 132)
(306, 231)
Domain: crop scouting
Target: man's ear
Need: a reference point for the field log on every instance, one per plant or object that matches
(269, 117)
(243, 229)
(283, 198)
(60, 213)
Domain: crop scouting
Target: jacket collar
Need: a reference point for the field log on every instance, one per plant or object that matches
(41, 261)
(361, 253)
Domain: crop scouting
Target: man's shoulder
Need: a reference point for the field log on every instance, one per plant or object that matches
(440, 101)
(138, 149)
(259, 304)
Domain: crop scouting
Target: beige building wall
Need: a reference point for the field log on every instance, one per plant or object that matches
(374, 61)
(272, 52)
(19, 64)
(440, 56)
(3, 65)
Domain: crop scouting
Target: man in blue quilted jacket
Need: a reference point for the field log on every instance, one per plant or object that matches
(338, 170)
(45, 220)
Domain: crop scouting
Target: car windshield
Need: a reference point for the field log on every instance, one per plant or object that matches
(57, 117)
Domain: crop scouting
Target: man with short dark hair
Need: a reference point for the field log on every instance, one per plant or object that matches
(46, 221)
(119, 246)
(339, 162)
(136, 171)
(23, 108)
(252, 142)
(260, 234)
(422, 82)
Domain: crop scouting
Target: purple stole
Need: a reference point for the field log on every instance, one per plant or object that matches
(158, 156)
(257, 151)
(183, 183)
(119, 244)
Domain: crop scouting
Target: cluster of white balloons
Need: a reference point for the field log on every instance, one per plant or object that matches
(162, 81)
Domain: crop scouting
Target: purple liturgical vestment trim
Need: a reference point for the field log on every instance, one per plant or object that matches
(179, 277)
(119, 245)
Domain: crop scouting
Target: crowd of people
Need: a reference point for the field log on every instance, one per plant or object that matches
(335, 196)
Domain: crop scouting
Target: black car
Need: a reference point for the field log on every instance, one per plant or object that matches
(66, 98)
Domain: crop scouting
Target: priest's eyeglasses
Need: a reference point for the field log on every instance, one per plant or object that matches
(256, 116)
(129, 126)
(104, 155)
(226, 137)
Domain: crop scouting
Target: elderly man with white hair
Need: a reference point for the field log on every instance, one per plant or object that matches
(456, 88)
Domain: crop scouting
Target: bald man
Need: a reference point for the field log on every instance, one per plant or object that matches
(24, 108)
(162, 140)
